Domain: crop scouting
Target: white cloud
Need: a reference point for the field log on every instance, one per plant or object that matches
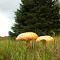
(7, 9)
(9, 5)
(5, 24)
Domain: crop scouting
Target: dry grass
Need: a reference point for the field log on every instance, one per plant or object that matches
(16, 50)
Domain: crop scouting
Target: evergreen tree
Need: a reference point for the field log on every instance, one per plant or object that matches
(36, 16)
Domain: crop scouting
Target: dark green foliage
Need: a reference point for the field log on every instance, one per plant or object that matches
(40, 16)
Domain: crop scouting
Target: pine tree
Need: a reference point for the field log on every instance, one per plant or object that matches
(36, 16)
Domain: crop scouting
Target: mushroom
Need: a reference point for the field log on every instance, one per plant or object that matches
(27, 36)
(45, 39)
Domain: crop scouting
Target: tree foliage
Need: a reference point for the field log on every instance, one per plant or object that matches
(40, 16)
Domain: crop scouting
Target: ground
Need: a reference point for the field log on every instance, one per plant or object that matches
(11, 49)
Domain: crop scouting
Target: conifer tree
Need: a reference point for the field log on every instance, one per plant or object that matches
(36, 16)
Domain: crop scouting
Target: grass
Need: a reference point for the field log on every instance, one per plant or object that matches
(16, 50)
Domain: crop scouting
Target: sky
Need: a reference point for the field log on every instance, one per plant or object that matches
(7, 9)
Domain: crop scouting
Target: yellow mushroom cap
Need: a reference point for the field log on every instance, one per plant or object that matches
(46, 38)
(27, 36)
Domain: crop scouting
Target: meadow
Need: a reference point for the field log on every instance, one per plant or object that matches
(11, 49)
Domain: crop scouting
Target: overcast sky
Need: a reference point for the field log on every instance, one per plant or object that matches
(7, 9)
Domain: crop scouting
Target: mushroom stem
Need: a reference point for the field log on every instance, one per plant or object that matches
(44, 42)
(27, 48)
(28, 44)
